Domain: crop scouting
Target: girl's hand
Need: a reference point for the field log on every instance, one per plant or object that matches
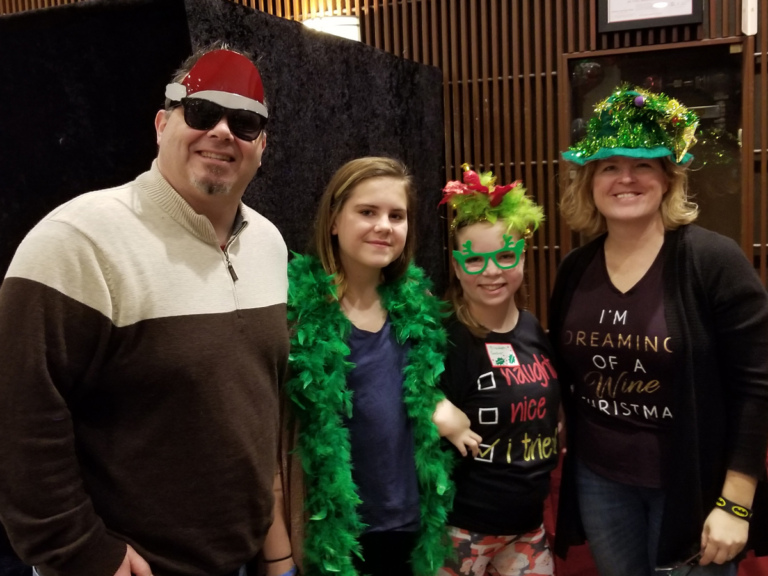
(278, 553)
(464, 440)
(280, 568)
(561, 435)
(453, 424)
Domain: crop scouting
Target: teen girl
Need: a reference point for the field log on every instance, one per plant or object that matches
(499, 373)
(366, 354)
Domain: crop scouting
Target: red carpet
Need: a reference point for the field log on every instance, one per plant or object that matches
(579, 563)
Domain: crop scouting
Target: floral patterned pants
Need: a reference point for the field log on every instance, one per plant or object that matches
(481, 554)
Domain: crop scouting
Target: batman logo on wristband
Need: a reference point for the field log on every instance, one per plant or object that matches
(734, 509)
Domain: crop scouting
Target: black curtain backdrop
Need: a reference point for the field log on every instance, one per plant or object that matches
(80, 85)
(79, 88)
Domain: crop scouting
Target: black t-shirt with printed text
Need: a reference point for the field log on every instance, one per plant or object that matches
(618, 346)
(508, 387)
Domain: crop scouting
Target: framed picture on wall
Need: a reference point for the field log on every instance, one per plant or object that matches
(615, 15)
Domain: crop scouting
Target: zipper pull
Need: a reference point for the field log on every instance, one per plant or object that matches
(226, 246)
(229, 263)
(231, 270)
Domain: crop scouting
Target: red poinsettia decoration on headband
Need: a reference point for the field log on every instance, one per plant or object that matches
(483, 183)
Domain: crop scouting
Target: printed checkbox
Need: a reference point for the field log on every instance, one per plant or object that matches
(486, 381)
(486, 452)
(488, 415)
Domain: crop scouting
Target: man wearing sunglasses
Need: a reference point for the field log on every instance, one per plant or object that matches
(143, 336)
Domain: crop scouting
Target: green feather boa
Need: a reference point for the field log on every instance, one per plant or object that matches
(320, 400)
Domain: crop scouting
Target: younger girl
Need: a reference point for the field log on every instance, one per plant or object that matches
(366, 355)
(499, 372)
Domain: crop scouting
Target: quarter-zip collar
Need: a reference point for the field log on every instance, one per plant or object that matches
(162, 193)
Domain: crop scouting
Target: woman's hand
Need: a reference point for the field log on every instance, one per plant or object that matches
(453, 424)
(723, 537)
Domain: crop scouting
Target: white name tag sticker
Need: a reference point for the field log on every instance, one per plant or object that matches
(502, 355)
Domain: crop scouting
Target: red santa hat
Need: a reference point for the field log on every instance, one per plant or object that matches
(227, 78)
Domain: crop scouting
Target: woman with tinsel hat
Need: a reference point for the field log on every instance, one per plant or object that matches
(661, 329)
(499, 371)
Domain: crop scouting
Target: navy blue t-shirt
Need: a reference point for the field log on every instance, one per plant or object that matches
(381, 434)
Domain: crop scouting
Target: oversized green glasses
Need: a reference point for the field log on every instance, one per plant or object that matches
(506, 257)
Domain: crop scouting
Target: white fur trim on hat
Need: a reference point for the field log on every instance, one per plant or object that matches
(178, 91)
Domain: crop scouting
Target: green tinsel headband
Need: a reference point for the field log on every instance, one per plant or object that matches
(478, 199)
(637, 123)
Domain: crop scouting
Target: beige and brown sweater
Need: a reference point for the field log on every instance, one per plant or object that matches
(138, 387)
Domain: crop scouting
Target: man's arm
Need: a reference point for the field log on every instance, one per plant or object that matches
(54, 325)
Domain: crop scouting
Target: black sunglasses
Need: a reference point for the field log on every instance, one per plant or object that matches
(202, 114)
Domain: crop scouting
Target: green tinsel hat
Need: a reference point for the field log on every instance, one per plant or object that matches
(637, 123)
(478, 199)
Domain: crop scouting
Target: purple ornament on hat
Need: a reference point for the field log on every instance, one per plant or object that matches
(640, 101)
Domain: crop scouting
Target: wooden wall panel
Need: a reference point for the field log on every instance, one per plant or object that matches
(502, 76)
(761, 142)
(13, 6)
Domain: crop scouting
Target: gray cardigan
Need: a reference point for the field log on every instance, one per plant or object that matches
(716, 311)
